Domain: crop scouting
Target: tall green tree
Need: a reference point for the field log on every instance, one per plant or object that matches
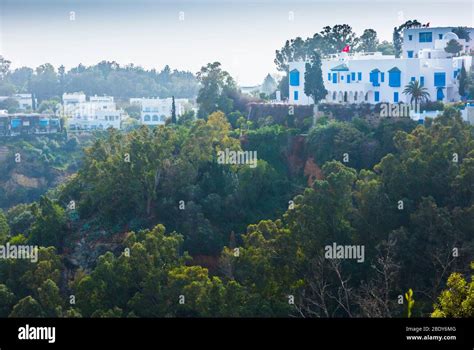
(44, 83)
(313, 79)
(21, 79)
(216, 85)
(283, 86)
(397, 41)
(173, 111)
(335, 38)
(386, 48)
(49, 227)
(463, 81)
(368, 41)
(293, 50)
(62, 80)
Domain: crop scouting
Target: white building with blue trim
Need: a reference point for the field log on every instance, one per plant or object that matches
(416, 39)
(374, 78)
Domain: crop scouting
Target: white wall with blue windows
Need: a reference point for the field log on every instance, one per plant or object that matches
(296, 84)
(416, 39)
(376, 78)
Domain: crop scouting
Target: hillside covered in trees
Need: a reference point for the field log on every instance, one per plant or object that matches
(105, 78)
(32, 165)
(152, 225)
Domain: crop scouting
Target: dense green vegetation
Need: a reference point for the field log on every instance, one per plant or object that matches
(242, 241)
(32, 165)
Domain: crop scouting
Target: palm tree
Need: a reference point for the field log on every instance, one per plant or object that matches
(417, 92)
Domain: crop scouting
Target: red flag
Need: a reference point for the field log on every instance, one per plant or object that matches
(346, 48)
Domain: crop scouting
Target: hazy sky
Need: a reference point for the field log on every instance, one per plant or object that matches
(242, 35)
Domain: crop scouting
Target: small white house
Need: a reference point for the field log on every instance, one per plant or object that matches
(155, 111)
(74, 98)
(25, 101)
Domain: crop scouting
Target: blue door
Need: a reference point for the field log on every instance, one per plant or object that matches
(377, 96)
(439, 94)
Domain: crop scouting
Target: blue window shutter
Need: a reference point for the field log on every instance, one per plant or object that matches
(410, 54)
(440, 79)
(329, 76)
(342, 77)
(348, 78)
(426, 37)
(334, 78)
(359, 76)
(294, 77)
(440, 36)
(422, 81)
(410, 37)
(16, 123)
(353, 76)
(412, 79)
(395, 97)
(382, 77)
(377, 96)
(374, 78)
(394, 77)
(295, 95)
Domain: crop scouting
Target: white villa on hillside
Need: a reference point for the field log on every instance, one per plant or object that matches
(99, 113)
(374, 78)
(25, 101)
(155, 111)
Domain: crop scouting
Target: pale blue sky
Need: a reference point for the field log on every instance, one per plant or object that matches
(242, 35)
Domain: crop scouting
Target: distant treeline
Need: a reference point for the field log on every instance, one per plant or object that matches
(108, 78)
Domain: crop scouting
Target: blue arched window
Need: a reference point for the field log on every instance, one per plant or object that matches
(394, 77)
(374, 77)
(294, 77)
(147, 118)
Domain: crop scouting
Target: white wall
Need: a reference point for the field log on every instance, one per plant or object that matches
(155, 111)
(415, 45)
(363, 88)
